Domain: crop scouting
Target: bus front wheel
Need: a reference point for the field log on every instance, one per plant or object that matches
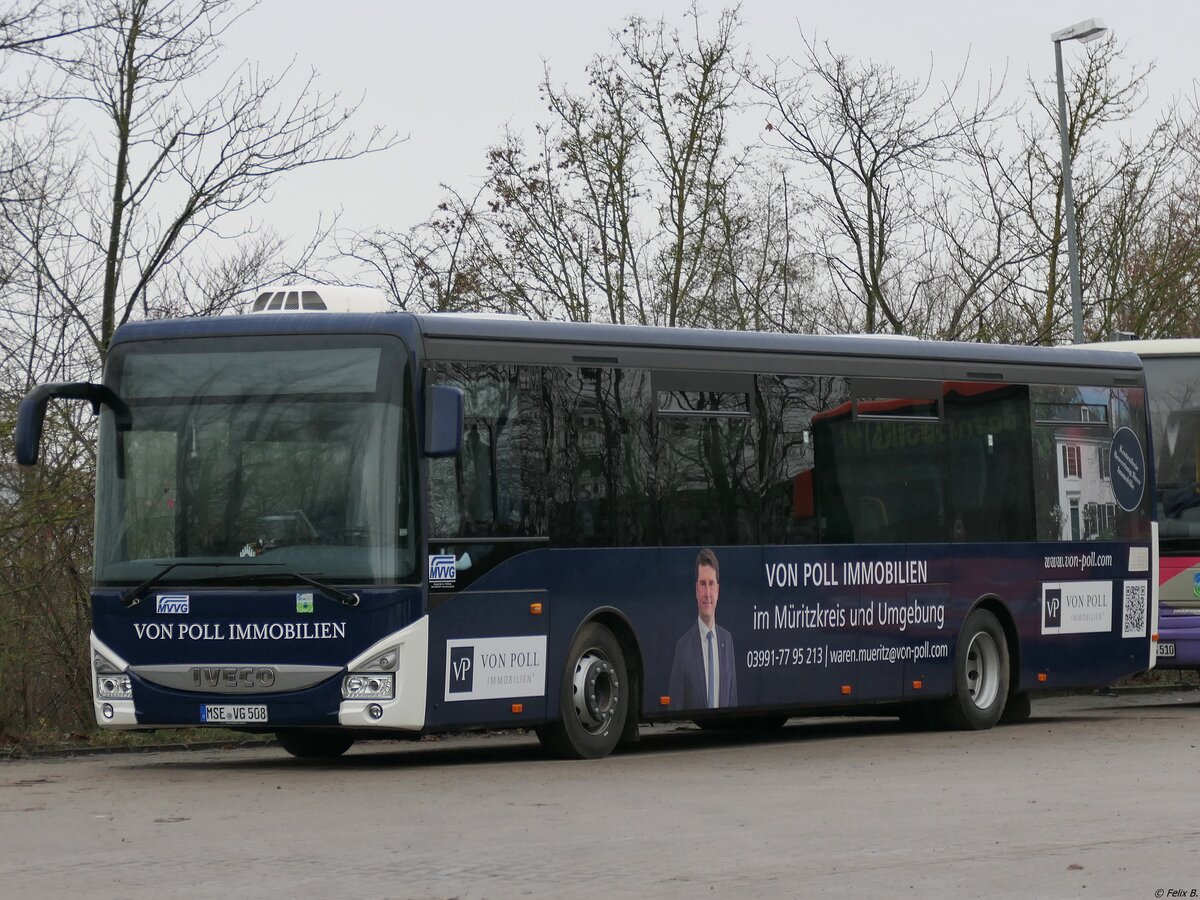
(314, 744)
(593, 698)
(980, 674)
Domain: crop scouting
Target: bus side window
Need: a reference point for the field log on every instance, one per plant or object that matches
(445, 508)
(989, 461)
(786, 483)
(493, 488)
(600, 457)
(705, 459)
(478, 482)
(1073, 487)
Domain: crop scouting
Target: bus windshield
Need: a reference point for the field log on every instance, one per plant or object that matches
(288, 453)
(1174, 384)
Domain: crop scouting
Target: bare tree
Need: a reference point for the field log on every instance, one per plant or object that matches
(1144, 247)
(32, 30)
(177, 169)
(611, 213)
(978, 257)
(872, 147)
(433, 266)
(1114, 187)
(765, 278)
(1149, 280)
(123, 192)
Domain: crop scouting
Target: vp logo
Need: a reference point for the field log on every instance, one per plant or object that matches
(171, 604)
(462, 675)
(1052, 608)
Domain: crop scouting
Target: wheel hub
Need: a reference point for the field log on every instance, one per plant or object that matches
(983, 670)
(595, 690)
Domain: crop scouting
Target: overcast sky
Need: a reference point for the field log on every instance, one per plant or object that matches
(450, 75)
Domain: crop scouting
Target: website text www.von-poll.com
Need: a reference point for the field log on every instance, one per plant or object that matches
(1078, 560)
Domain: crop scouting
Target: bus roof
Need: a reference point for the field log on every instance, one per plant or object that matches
(1146, 347)
(898, 346)
(524, 339)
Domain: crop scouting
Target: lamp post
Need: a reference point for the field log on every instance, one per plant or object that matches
(1087, 30)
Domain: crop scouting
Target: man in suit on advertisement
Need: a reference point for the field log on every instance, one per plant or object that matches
(704, 672)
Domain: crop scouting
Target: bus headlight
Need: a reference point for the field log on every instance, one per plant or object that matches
(113, 687)
(111, 682)
(369, 686)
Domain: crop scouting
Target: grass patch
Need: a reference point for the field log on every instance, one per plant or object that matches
(1162, 678)
(45, 741)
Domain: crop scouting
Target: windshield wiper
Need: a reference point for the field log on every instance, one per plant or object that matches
(134, 596)
(340, 596)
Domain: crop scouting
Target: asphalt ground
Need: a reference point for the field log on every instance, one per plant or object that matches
(1090, 798)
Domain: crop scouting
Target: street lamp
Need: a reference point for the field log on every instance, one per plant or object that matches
(1087, 30)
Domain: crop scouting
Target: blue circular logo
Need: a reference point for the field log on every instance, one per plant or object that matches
(1127, 465)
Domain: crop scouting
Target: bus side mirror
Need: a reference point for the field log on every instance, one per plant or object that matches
(32, 412)
(443, 420)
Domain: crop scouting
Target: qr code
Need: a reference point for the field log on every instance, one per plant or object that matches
(1133, 619)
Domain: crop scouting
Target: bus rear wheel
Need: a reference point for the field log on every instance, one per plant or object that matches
(314, 744)
(593, 698)
(980, 674)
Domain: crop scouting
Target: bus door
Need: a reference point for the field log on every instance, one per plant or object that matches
(880, 471)
(489, 607)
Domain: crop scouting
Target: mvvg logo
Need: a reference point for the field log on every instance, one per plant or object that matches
(462, 675)
(172, 604)
(1052, 608)
(442, 567)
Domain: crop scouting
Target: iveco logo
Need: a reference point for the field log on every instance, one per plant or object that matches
(233, 678)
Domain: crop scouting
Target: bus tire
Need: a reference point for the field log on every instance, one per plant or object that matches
(593, 698)
(1018, 709)
(980, 675)
(314, 744)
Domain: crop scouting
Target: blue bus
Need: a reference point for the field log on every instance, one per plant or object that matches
(334, 526)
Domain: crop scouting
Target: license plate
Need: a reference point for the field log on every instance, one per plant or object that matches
(1166, 649)
(233, 715)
